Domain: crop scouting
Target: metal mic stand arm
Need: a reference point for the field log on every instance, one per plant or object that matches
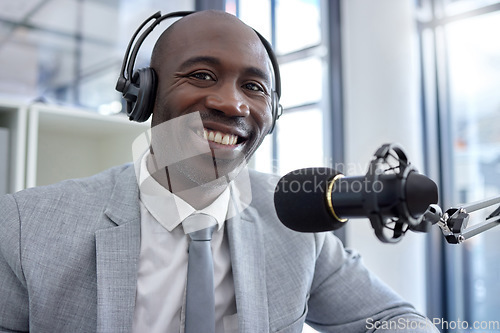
(453, 223)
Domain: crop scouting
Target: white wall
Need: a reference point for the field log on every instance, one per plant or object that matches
(381, 99)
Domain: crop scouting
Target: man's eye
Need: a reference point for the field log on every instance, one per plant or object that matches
(253, 86)
(202, 76)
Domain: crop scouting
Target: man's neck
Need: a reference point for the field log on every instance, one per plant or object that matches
(198, 196)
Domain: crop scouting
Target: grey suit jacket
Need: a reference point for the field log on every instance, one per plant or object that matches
(69, 256)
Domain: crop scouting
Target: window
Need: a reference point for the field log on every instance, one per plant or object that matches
(461, 61)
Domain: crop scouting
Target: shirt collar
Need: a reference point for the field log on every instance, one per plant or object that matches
(169, 209)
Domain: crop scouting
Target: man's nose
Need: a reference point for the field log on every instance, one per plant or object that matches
(228, 99)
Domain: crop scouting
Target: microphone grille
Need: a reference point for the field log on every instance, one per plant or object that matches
(300, 200)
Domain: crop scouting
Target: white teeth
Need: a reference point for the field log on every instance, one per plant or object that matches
(211, 136)
(219, 137)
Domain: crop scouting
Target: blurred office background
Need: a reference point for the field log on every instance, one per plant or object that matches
(356, 74)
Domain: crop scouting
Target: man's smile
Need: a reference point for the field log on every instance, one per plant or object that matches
(219, 137)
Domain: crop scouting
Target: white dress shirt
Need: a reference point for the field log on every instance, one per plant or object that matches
(162, 273)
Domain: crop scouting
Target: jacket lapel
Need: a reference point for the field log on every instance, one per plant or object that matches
(117, 255)
(249, 271)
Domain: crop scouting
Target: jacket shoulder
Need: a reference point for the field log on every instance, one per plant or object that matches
(102, 182)
(71, 199)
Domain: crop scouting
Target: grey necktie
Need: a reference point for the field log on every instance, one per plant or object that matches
(200, 305)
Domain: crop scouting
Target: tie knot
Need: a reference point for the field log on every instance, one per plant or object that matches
(203, 234)
(200, 227)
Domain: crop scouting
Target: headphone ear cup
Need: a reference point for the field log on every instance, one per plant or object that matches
(141, 95)
(276, 109)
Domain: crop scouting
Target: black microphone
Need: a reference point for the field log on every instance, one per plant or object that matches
(322, 199)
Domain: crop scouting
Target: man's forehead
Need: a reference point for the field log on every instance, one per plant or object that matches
(213, 26)
(210, 34)
(210, 17)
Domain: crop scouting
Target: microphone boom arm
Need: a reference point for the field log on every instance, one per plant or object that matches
(454, 222)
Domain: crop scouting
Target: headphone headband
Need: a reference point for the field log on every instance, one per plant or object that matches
(129, 58)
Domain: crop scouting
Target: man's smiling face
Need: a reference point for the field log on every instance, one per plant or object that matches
(213, 64)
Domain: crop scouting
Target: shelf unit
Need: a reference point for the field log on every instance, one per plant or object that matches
(66, 143)
(50, 143)
(13, 117)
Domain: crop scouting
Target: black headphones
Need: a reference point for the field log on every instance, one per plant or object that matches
(139, 87)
